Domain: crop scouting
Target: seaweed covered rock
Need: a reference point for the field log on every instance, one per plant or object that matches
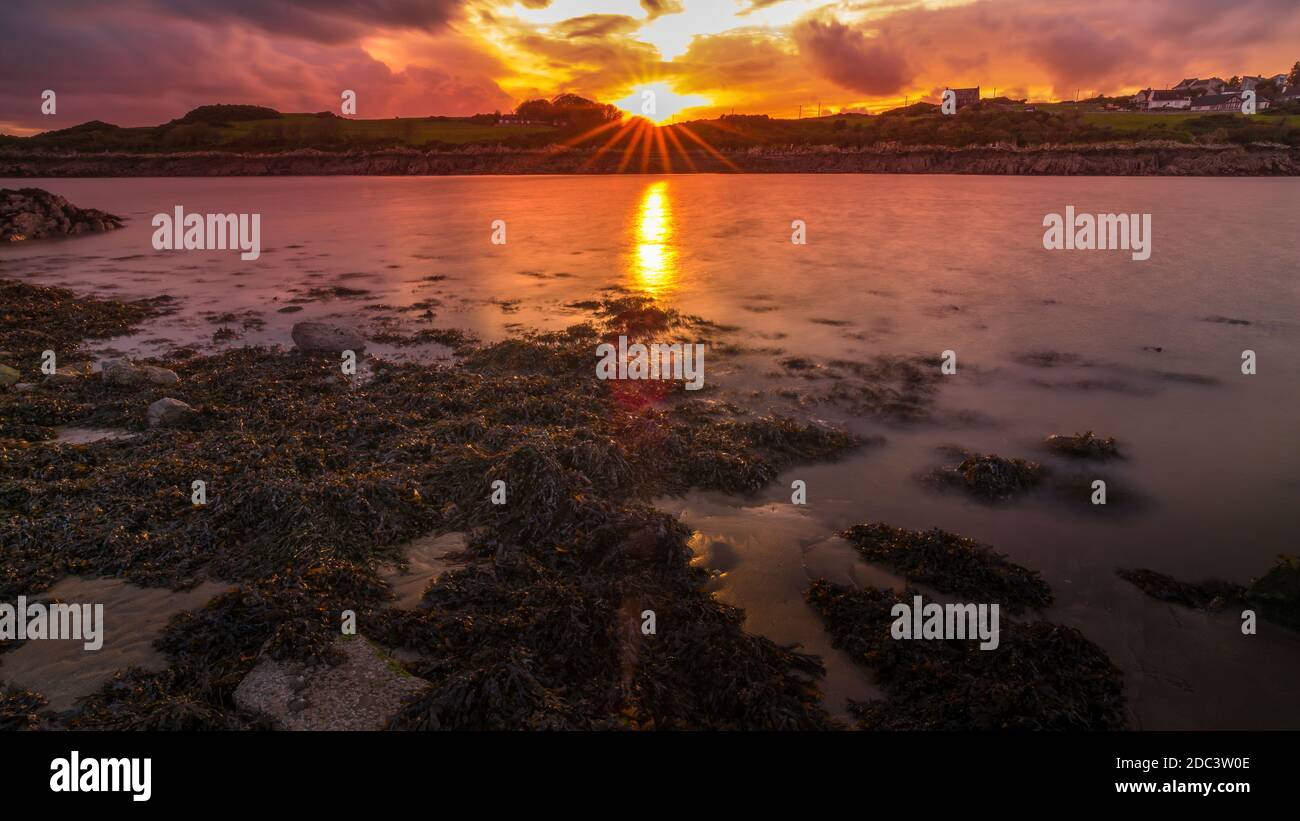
(1211, 594)
(1276, 595)
(1083, 446)
(950, 564)
(991, 477)
(33, 213)
(1042, 676)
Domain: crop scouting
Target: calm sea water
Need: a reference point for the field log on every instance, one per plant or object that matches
(892, 265)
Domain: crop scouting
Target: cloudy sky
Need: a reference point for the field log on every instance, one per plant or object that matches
(141, 62)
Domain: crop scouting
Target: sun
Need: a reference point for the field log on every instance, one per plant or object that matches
(658, 103)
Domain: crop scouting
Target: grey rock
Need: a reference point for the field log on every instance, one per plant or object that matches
(31, 213)
(322, 336)
(167, 411)
(123, 372)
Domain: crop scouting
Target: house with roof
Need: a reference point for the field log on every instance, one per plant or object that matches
(966, 96)
(1194, 87)
(1155, 99)
(1224, 102)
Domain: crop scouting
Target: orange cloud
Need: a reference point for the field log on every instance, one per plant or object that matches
(146, 61)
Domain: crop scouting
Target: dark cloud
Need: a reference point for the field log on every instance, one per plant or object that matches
(131, 67)
(656, 8)
(596, 25)
(848, 57)
(325, 21)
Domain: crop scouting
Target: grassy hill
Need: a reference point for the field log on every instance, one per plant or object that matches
(251, 128)
(260, 130)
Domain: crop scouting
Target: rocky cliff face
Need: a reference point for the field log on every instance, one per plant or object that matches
(1138, 159)
(30, 213)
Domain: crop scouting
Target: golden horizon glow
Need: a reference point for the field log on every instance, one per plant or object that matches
(658, 103)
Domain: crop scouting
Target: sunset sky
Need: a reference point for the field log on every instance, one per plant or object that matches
(142, 62)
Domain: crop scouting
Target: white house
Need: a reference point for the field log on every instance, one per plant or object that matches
(1167, 99)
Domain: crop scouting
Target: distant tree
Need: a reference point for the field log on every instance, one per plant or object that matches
(571, 109)
(1234, 83)
(536, 110)
(1294, 77)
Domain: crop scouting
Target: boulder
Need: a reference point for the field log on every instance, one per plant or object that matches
(168, 412)
(67, 374)
(156, 375)
(322, 336)
(117, 371)
(32, 213)
(123, 372)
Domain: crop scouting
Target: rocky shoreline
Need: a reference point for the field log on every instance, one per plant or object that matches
(1111, 159)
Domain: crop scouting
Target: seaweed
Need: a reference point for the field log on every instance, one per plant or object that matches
(36, 318)
(19, 709)
(1042, 676)
(1211, 594)
(950, 564)
(315, 479)
(990, 477)
(1276, 595)
(1083, 446)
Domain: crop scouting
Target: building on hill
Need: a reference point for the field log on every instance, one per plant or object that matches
(966, 96)
(1194, 87)
(1155, 99)
(1224, 102)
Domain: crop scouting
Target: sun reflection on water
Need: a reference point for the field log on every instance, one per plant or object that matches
(654, 258)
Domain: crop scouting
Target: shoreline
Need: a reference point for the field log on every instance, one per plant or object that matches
(1137, 159)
